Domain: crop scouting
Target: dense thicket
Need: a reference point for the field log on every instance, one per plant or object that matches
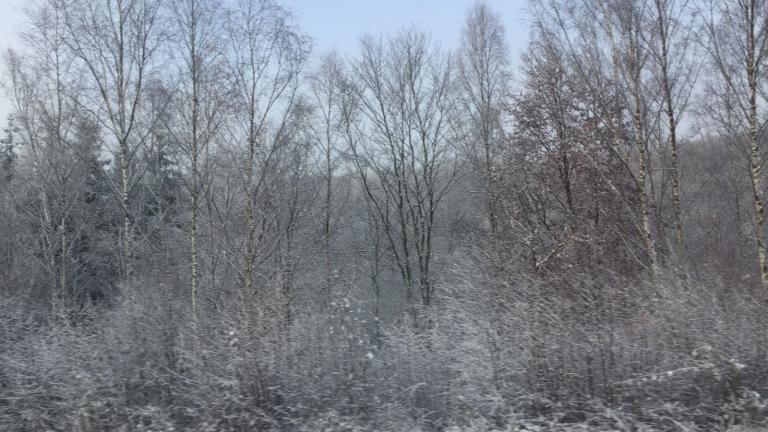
(203, 226)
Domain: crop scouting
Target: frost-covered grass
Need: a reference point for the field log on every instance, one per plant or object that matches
(484, 361)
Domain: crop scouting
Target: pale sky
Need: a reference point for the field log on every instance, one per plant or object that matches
(11, 20)
(339, 23)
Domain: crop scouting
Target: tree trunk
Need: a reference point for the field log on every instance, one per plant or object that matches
(125, 237)
(645, 218)
(756, 175)
(672, 124)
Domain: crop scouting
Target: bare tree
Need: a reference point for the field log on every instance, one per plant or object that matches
(604, 41)
(43, 91)
(201, 106)
(116, 42)
(267, 54)
(404, 151)
(9, 269)
(484, 70)
(558, 175)
(671, 43)
(326, 87)
(738, 46)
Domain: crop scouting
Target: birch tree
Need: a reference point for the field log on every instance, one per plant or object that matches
(116, 41)
(43, 86)
(738, 44)
(267, 54)
(670, 40)
(201, 93)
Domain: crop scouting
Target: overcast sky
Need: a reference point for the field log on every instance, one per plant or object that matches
(338, 24)
(11, 18)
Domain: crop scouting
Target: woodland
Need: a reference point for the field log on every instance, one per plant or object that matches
(206, 225)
